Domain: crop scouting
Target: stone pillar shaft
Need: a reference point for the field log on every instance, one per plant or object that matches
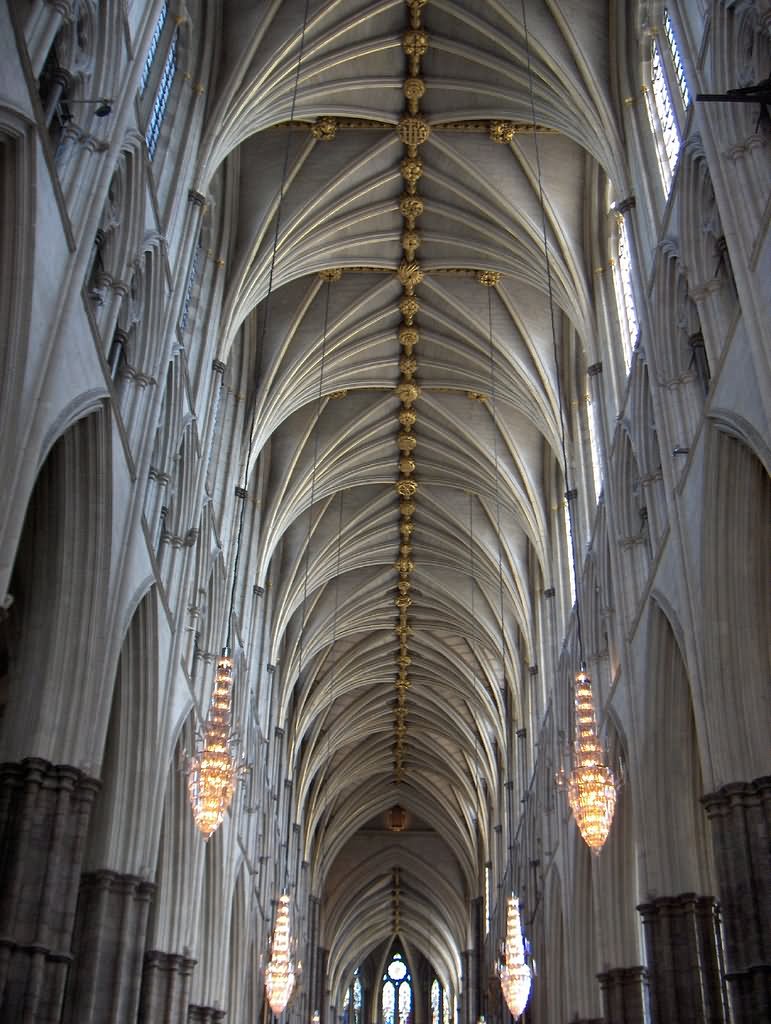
(108, 945)
(682, 941)
(740, 819)
(165, 988)
(624, 995)
(44, 815)
(204, 1015)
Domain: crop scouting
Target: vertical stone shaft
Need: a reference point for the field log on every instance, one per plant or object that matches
(165, 992)
(740, 819)
(682, 941)
(624, 995)
(44, 814)
(108, 945)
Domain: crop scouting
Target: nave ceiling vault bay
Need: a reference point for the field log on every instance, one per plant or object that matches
(486, 430)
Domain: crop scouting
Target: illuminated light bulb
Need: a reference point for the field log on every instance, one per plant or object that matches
(214, 769)
(591, 783)
(280, 972)
(515, 975)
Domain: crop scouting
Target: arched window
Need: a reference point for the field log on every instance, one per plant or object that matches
(677, 61)
(396, 995)
(354, 1002)
(436, 1002)
(153, 48)
(666, 70)
(157, 81)
(622, 286)
(594, 442)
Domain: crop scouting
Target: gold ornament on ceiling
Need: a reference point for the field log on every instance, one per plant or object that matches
(407, 442)
(410, 275)
(410, 243)
(409, 307)
(408, 392)
(406, 465)
(416, 6)
(489, 278)
(331, 274)
(408, 339)
(404, 565)
(325, 129)
(336, 395)
(407, 418)
(415, 45)
(411, 207)
(407, 509)
(413, 131)
(414, 91)
(406, 488)
(406, 528)
(402, 600)
(502, 131)
(408, 365)
(411, 170)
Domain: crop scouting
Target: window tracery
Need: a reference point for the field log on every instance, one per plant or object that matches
(666, 66)
(396, 992)
(161, 101)
(624, 293)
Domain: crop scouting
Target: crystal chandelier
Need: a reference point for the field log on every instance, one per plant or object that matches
(513, 971)
(591, 783)
(280, 972)
(214, 769)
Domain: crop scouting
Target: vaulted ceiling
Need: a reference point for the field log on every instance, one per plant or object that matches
(361, 395)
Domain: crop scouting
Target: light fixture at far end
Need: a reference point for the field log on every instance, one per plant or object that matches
(514, 972)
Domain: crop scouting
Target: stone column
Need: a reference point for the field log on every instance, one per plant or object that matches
(740, 819)
(204, 1015)
(44, 814)
(682, 943)
(165, 994)
(624, 995)
(108, 946)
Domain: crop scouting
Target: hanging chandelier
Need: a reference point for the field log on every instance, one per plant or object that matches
(591, 783)
(214, 769)
(514, 973)
(280, 973)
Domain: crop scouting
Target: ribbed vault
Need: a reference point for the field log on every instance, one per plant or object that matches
(487, 422)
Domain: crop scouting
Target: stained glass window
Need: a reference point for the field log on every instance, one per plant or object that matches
(436, 1001)
(622, 284)
(162, 97)
(670, 133)
(677, 62)
(354, 997)
(389, 993)
(594, 444)
(358, 1000)
(396, 998)
(157, 33)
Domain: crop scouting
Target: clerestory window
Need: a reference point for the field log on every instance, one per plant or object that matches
(666, 70)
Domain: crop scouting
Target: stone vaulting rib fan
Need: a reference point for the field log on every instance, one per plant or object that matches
(591, 783)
